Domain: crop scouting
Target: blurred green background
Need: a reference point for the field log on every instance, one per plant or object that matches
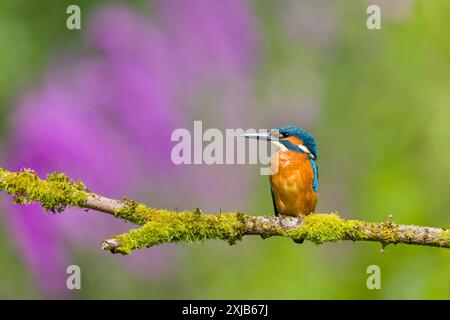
(378, 102)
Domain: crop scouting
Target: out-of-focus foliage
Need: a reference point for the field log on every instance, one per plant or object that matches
(378, 102)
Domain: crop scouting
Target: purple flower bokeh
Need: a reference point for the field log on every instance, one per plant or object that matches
(107, 116)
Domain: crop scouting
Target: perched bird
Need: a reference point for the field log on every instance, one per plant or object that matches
(294, 175)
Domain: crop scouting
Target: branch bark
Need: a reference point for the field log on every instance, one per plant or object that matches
(164, 226)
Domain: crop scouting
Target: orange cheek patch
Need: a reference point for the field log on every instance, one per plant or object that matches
(294, 140)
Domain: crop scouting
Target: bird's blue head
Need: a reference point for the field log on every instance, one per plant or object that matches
(290, 138)
(296, 139)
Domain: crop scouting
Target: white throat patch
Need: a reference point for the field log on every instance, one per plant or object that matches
(280, 145)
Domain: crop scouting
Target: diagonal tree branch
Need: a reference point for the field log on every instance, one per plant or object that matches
(163, 226)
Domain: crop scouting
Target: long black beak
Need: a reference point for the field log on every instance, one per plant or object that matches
(259, 136)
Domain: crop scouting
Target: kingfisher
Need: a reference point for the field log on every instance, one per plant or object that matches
(294, 174)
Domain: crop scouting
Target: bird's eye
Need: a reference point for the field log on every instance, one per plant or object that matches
(284, 134)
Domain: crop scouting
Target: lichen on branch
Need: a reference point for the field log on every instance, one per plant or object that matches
(160, 226)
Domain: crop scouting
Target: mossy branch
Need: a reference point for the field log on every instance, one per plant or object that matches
(164, 226)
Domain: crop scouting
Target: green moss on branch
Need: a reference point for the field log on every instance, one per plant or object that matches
(163, 226)
(53, 194)
(167, 226)
(321, 228)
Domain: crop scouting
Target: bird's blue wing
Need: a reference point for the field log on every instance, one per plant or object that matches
(315, 170)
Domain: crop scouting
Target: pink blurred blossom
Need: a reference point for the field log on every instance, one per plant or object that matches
(106, 117)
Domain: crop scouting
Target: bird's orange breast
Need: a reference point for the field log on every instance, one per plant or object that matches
(291, 180)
